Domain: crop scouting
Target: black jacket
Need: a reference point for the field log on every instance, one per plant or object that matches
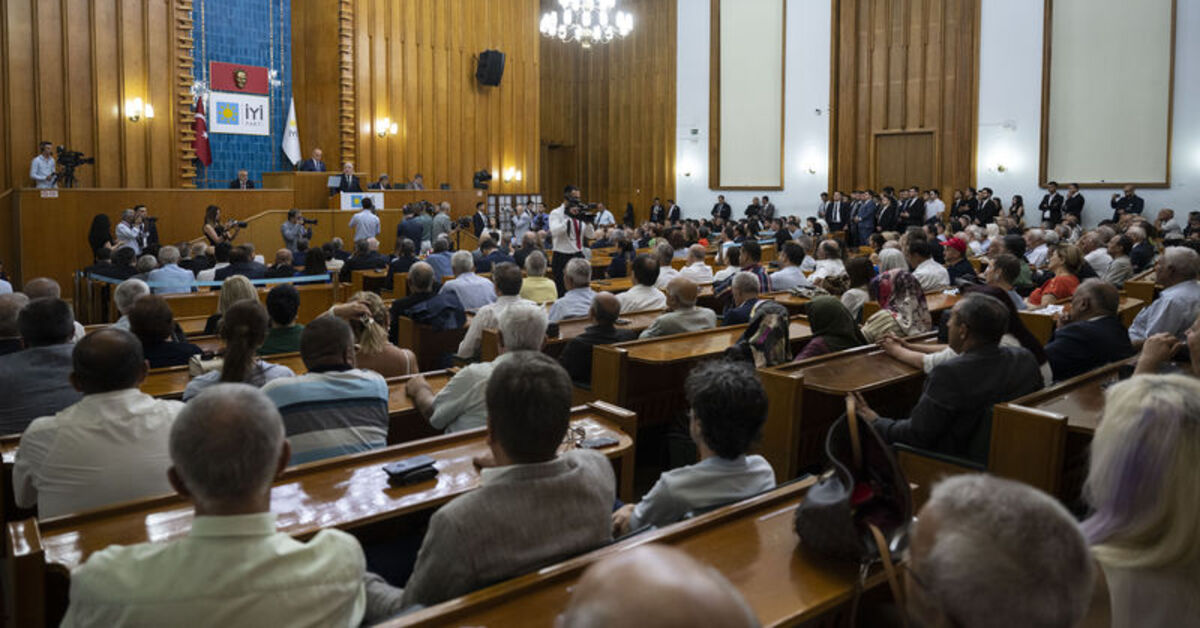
(954, 414)
(722, 210)
(252, 270)
(1074, 206)
(576, 356)
(237, 185)
(350, 184)
(1141, 256)
(738, 315)
(371, 261)
(1051, 207)
(308, 165)
(1080, 347)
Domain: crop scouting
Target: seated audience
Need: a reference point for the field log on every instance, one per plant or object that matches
(405, 257)
(957, 265)
(440, 258)
(790, 276)
(243, 330)
(241, 262)
(1142, 253)
(283, 336)
(507, 279)
(626, 252)
(47, 288)
(529, 244)
(538, 507)
(233, 568)
(461, 404)
(930, 274)
(109, 447)
(1142, 492)
(828, 263)
(123, 260)
(1036, 247)
(425, 305)
(576, 355)
(696, 269)
(490, 256)
(1120, 268)
(472, 290)
(655, 586)
(1090, 335)
(36, 381)
(1001, 273)
(283, 265)
(1095, 253)
(1064, 262)
(953, 414)
(145, 264)
(665, 253)
(833, 328)
(643, 295)
(745, 295)
(728, 408)
(316, 263)
(898, 292)
(335, 408)
(751, 262)
(368, 318)
(683, 315)
(234, 289)
(536, 286)
(732, 257)
(860, 272)
(987, 552)
(366, 257)
(10, 329)
(152, 321)
(170, 278)
(577, 300)
(1179, 302)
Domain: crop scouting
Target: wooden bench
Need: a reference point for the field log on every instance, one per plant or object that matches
(1143, 285)
(937, 302)
(751, 543)
(367, 281)
(429, 346)
(315, 299)
(169, 382)
(615, 286)
(567, 329)
(350, 493)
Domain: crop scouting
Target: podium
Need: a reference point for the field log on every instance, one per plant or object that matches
(462, 202)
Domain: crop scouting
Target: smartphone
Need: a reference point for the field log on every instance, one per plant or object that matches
(411, 470)
(600, 442)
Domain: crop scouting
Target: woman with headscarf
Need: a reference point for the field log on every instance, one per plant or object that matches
(903, 310)
(833, 328)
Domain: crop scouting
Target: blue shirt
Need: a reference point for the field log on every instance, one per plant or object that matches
(170, 279)
(365, 224)
(472, 290)
(575, 303)
(441, 265)
(1172, 312)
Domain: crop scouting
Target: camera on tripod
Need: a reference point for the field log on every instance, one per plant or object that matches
(70, 160)
(310, 221)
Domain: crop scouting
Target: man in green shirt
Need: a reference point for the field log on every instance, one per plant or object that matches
(283, 301)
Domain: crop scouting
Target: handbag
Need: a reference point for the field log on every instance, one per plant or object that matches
(862, 507)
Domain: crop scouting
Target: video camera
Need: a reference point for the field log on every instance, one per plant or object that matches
(579, 210)
(241, 224)
(310, 221)
(69, 160)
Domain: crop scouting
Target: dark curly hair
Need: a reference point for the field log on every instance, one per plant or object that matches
(729, 402)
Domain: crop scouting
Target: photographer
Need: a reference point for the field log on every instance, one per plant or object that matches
(215, 231)
(570, 227)
(42, 169)
(131, 231)
(295, 229)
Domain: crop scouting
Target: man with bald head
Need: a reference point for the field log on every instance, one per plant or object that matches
(282, 266)
(655, 586)
(109, 447)
(47, 288)
(10, 332)
(576, 356)
(696, 269)
(1090, 335)
(233, 568)
(683, 315)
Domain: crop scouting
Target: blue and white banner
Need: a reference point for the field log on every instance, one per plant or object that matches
(353, 200)
(243, 114)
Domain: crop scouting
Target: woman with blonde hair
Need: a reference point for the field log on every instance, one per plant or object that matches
(1145, 494)
(234, 289)
(369, 318)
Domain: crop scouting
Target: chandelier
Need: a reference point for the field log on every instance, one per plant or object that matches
(587, 22)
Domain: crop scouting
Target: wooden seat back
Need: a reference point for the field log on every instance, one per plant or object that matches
(430, 346)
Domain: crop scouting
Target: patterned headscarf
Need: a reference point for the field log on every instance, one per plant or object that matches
(899, 292)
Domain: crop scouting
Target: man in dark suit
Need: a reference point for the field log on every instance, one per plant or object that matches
(1091, 335)
(1051, 205)
(348, 182)
(1142, 254)
(864, 218)
(576, 356)
(767, 213)
(838, 213)
(381, 184)
(658, 213)
(490, 255)
(1129, 203)
(914, 207)
(889, 215)
(242, 182)
(675, 213)
(721, 209)
(1074, 203)
(479, 219)
(241, 262)
(366, 257)
(744, 290)
(313, 164)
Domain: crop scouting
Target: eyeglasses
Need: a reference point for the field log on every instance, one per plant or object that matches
(575, 436)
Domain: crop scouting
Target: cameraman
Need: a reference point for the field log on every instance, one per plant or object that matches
(295, 230)
(148, 238)
(570, 227)
(41, 170)
(131, 231)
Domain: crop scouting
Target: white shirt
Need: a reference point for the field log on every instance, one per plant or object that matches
(127, 235)
(698, 272)
(725, 272)
(640, 298)
(1172, 312)
(5, 287)
(710, 482)
(1037, 256)
(488, 317)
(210, 274)
(788, 278)
(1099, 260)
(826, 268)
(40, 170)
(569, 234)
(931, 275)
(605, 218)
(934, 209)
(365, 224)
(229, 571)
(107, 448)
(462, 403)
(665, 275)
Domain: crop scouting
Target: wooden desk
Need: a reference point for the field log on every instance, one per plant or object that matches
(567, 329)
(192, 325)
(688, 347)
(169, 382)
(1143, 285)
(211, 344)
(1079, 399)
(937, 302)
(349, 493)
(1041, 324)
(615, 286)
(751, 543)
(315, 299)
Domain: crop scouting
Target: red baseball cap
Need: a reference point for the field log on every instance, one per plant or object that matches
(956, 243)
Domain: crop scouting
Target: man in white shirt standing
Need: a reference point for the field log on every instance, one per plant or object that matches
(365, 223)
(109, 447)
(934, 207)
(569, 233)
(233, 568)
(696, 269)
(643, 295)
(604, 218)
(930, 274)
(42, 168)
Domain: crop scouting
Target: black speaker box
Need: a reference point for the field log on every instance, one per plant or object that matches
(491, 67)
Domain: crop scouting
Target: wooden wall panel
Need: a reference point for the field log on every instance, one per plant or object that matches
(904, 66)
(68, 66)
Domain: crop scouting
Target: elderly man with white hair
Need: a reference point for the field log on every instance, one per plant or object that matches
(1142, 254)
(1036, 250)
(745, 295)
(993, 553)
(683, 315)
(124, 296)
(1178, 305)
(170, 278)
(461, 404)
(666, 272)
(233, 568)
(576, 302)
(472, 290)
(696, 269)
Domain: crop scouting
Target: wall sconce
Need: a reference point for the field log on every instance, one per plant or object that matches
(1001, 168)
(512, 174)
(136, 110)
(385, 127)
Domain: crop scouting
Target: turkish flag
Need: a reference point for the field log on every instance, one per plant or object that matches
(200, 126)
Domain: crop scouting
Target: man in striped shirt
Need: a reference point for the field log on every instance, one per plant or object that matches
(335, 409)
